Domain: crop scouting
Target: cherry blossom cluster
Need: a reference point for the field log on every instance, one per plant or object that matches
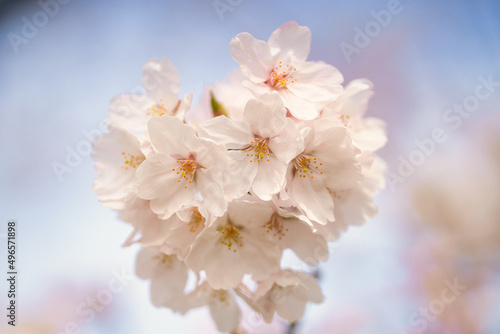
(279, 156)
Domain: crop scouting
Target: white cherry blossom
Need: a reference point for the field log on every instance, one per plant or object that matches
(234, 245)
(354, 206)
(260, 148)
(287, 294)
(290, 229)
(327, 162)
(117, 154)
(162, 83)
(168, 276)
(280, 65)
(279, 156)
(366, 133)
(188, 224)
(184, 166)
(222, 304)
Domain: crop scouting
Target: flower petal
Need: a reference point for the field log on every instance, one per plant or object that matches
(130, 111)
(170, 136)
(270, 178)
(225, 311)
(292, 41)
(317, 204)
(299, 107)
(317, 82)
(253, 55)
(288, 144)
(161, 79)
(308, 246)
(112, 153)
(156, 181)
(222, 130)
(266, 115)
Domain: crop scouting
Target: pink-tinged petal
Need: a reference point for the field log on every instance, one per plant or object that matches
(170, 136)
(161, 79)
(222, 130)
(173, 200)
(308, 288)
(343, 173)
(152, 230)
(155, 175)
(257, 89)
(238, 250)
(233, 95)
(184, 106)
(353, 101)
(298, 107)
(266, 115)
(209, 154)
(292, 309)
(146, 266)
(308, 246)
(209, 184)
(168, 288)
(288, 144)
(288, 293)
(371, 135)
(156, 181)
(316, 82)
(262, 256)
(270, 178)
(225, 312)
(253, 55)
(183, 233)
(317, 204)
(117, 155)
(130, 111)
(353, 207)
(374, 178)
(249, 214)
(265, 285)
(199, 297)
(224, 268)
(292, 41)
(146, 146)
(333, 147)
(240, 175)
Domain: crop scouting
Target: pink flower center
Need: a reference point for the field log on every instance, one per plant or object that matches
(306, 165)
(258, 150)
(281, 76)
(164, 259)
(159, 109)
(196, 220)
(345, 120)
(230, 236)
(132, 161)
(186, 170)
(219, 296)
(275, 226)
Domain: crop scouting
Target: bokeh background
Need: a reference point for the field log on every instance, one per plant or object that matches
(439, 222)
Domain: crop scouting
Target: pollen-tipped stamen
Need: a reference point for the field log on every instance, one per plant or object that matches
(307, 165)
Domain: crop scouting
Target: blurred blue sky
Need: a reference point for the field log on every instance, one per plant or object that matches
(59, 84)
